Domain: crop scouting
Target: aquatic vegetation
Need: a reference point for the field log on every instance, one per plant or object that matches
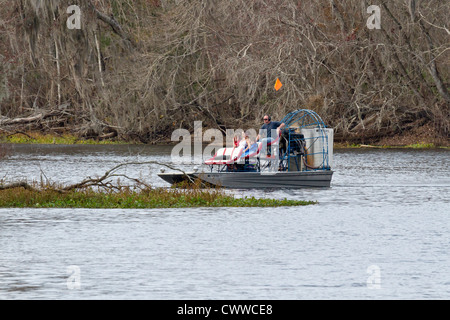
(127, 198)
(421, 146)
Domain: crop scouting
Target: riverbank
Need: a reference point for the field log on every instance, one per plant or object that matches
(424, 137)
(425, 145)
(30, 197)
(34, 137)
(68, 139)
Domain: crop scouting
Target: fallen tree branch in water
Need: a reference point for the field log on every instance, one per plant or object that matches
(18, 185)
(103, 180)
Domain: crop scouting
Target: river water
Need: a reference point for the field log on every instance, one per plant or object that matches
(380, 232)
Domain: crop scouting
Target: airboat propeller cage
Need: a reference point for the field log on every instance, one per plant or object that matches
(318, 140)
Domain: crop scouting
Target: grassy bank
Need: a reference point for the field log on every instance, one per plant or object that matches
(42, 138)
(127, 199)
(70, 139)
(408, 146)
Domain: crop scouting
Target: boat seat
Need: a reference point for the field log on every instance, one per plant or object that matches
(225, 156)
(232, 155)
(252, 151)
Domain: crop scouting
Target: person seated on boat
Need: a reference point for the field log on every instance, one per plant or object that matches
(250, 148)
(250, 143)
(244, 141)
(238, 137)
(265, 133)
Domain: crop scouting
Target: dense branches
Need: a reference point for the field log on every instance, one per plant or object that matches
(145, 68)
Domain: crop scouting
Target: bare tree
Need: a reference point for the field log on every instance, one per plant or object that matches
(144, 68)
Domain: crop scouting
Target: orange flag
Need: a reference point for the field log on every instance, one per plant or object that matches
(278, 84)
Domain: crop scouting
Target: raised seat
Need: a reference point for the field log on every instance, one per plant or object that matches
(226, 156)
(233, 154)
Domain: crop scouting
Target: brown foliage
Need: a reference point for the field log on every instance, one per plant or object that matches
(145, 68)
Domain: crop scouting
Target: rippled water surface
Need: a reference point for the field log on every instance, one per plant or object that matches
(380, 232)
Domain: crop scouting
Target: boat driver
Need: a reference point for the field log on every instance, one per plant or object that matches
(265, 133)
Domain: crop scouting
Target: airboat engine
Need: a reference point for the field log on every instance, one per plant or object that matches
(319, 147)
(306, 144)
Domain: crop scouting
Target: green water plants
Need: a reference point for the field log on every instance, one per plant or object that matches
(29, 196)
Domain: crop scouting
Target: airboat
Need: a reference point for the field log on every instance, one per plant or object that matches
(299, 156)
